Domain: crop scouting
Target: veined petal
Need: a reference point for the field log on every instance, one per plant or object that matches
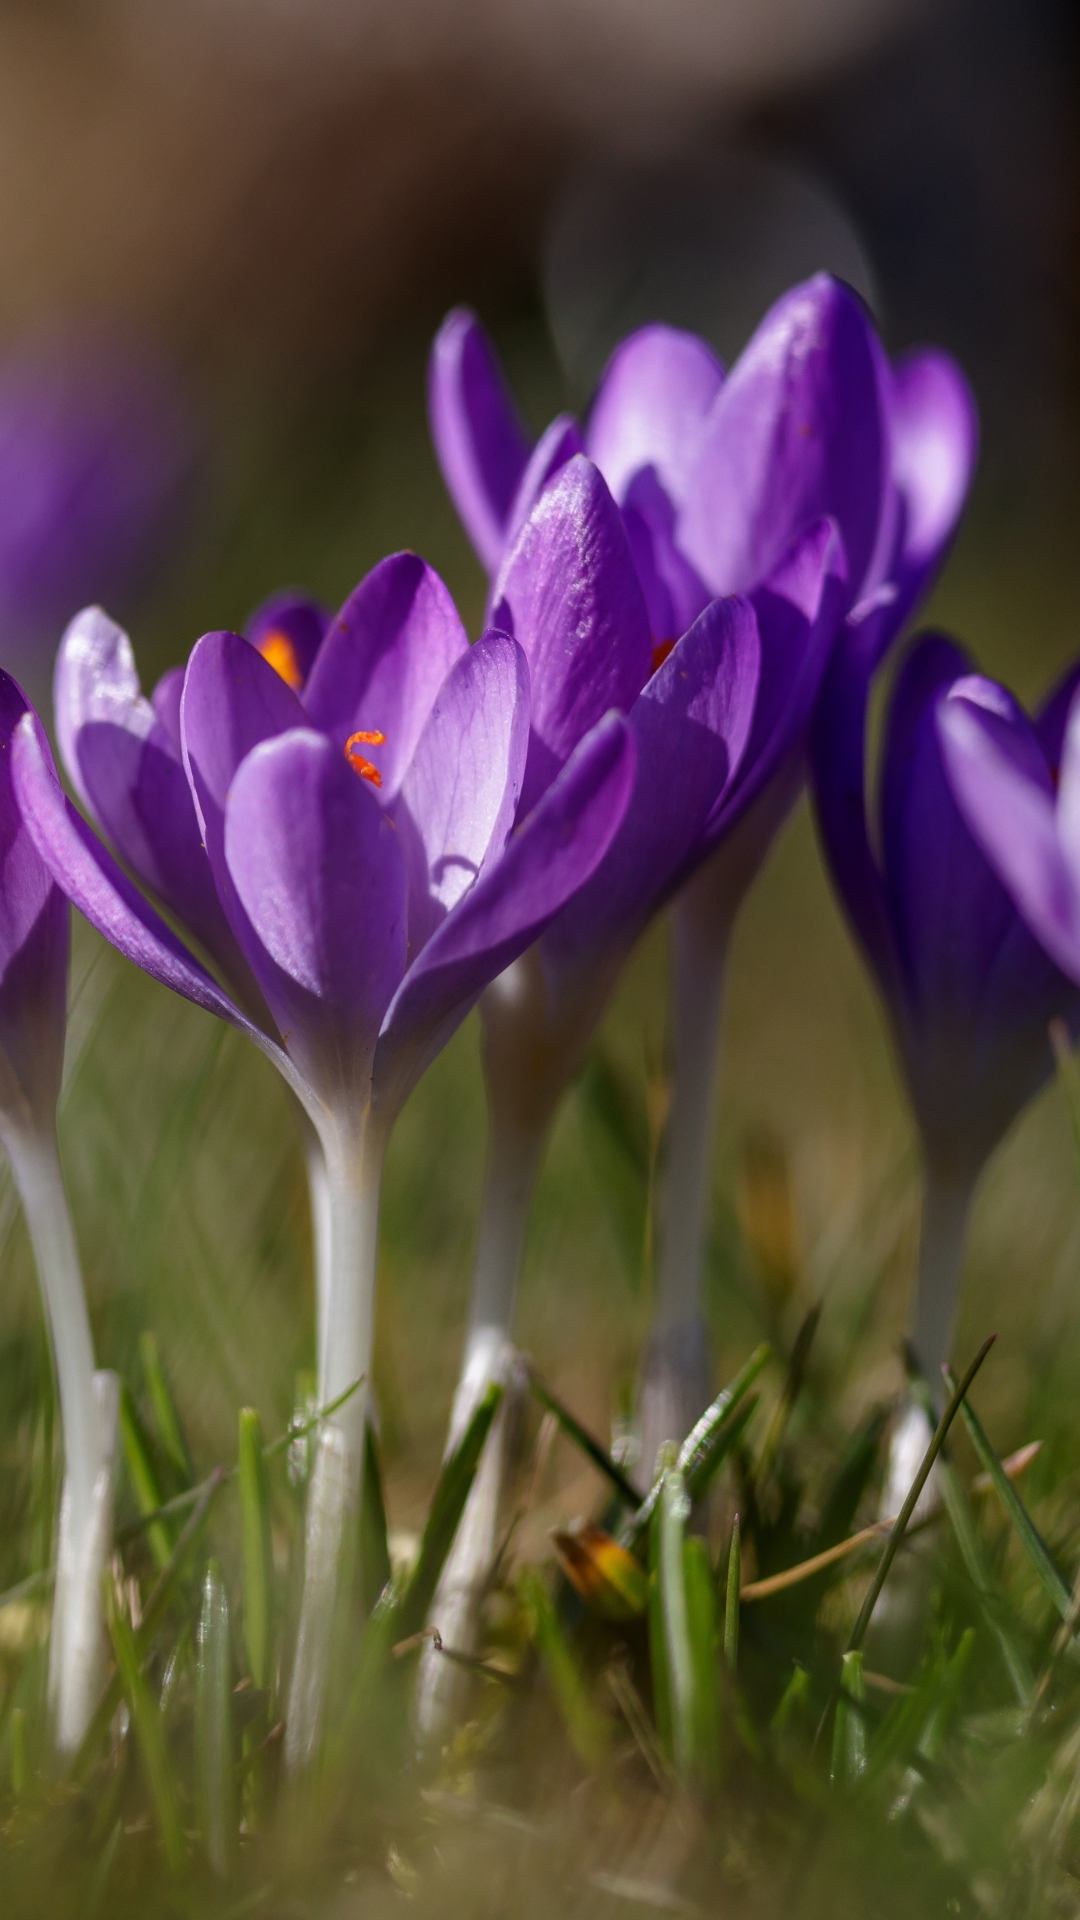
(543, 863)
(1009, 809)
(121, 760)
(34, 938)
(93, 882)
(558, 443)
(650, 408)
(799, 429)
(690, 728)
(384, 658)
(480, 442)
(568, 592)
(288, 630)
(460, 795)
(318, 871)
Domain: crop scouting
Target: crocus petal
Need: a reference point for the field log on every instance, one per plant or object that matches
(558, 443)
(122, 763)
(461, 792)
(94, 883)
(569, 593)
(288, 631)
(543, 864)
(34, 933)
(1009, 809)
(650, 408)
(799, 429)
(317, 868)
(165, 701)
(935, 443)
(1052, 718)
(690, 729)
(383, 661)
(481, 445)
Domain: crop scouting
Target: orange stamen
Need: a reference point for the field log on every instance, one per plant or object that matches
(358, 761)
(278, 651)
(660, 653)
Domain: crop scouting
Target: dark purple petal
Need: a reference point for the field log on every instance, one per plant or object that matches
(543, 864)
(122, 764)
(568, 592)
(651, 407)
(288, 631)
(799, 429)
(318, 870)
(690, 729)
(1052, 718)
(674, 592)
(383, 661)
(460, 795)
(799, 610)
(34, 933)
(95, 884)
(481, 446)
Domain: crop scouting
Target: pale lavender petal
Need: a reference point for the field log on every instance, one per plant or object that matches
(557, 444)
(481, 446)
(34, 938)
(1008, 803)
(165, 701)
(317, 868)
(543, 864)
(383, 661)
(799, 429)
(460, 795)
(568, 592)
(935, 443)
(95, 884)
(651, 407)
(121, 761)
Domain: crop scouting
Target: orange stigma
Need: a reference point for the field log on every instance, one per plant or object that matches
(359, 762)
(660, 652)
(278, 652)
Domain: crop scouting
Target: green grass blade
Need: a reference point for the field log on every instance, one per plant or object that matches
(374, 1540)
(582, 1438)
(704, 1631)
(993, 1607)
(785, 1406)
(892, 1545)
(98, 1883)
(446, 1510)
(142, 1472)
(731, 1598)
(214, 1770)
(849, 1727)
(705, 1455)
(153, 1613)
(170, 1431)
(149, 1734)
(258, 1549)
(670, 1619)
(698, 1456)
(1030, 1538)
(588, 1730)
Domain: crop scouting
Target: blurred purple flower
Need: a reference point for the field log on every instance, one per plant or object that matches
(34, 938)
(968, 989)
(96, 466)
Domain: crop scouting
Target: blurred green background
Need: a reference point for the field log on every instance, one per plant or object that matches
(939, 143)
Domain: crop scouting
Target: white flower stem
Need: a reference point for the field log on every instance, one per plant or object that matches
(321, 1228)
(674, 1380)
(354, 1157)
(945, 1211)
(88, 1417)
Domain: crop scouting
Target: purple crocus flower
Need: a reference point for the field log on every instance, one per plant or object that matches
(716, 478)
(969, 991)
(346, 857)
(33, 1018)
(96, 465)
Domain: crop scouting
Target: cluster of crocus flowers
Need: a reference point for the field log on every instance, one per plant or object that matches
(353, 855)
(717, 480)
(34, 939)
